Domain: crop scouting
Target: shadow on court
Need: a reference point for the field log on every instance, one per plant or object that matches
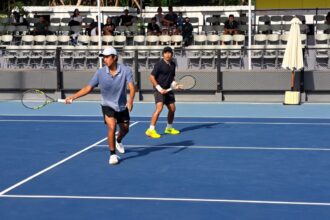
(200, 126)
(143, 151)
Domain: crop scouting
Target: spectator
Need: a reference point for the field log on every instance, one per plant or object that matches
(126, 19)
(327, 21)
(159, 17)
(17, 20)
(175, 30)
(109, 27)
(187, 32)
(170, 20)
(75, 20)
(41, 27)
(93, 28)
(231, 26)
(153, 28)
(180, 21)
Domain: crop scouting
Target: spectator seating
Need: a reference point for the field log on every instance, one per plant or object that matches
(268, 43)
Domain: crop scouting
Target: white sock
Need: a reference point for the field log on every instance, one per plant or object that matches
(169, 126)
(152, 127)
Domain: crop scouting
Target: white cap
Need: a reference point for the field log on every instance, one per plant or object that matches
(109, 51)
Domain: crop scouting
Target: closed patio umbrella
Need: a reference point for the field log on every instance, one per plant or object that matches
(293, 56)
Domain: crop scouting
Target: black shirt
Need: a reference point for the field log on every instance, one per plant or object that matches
(164, 73)
(187, 30)
(231, 25)
(126, 19)
(171, 17)
(153, 28)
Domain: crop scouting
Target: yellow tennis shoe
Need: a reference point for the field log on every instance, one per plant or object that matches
(152, 133)
(171, 131)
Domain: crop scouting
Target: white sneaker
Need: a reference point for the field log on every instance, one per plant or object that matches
(114, 159)
(120, 147)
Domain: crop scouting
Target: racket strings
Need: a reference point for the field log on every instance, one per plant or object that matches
(34, 99)
(188, 82)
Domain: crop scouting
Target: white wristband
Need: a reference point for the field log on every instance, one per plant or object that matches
(159, 88)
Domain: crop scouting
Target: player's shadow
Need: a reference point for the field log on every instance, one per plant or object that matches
(196, 127)
(143, 151)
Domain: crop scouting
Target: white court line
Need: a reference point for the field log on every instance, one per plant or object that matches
(177, 116)
(226, 147)
(54, 121)
(167, 199)
(244, 123)
(54, 165)
(177, 122)
(194, 103)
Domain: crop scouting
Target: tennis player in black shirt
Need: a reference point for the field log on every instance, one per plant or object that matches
(162, 78)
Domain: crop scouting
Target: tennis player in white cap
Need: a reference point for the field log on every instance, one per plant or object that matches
(112, 79)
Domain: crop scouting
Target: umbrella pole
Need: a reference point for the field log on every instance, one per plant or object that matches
(292, 80)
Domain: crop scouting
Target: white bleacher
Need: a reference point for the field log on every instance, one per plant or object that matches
(272, 33)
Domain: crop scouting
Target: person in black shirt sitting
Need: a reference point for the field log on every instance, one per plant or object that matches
(231, 26)
(170, 21)
(153, 28)
(41, 28)
(126, 19)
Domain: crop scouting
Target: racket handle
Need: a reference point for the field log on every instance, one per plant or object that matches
(179, 86)
(63, 100)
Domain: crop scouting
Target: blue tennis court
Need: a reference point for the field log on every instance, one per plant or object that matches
(231, 161)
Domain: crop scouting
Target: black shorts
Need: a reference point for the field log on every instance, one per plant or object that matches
(166, 99)
(121, 117)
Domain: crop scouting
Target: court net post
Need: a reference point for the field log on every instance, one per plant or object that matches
(219, 74)
(59, 73)
(137, 75)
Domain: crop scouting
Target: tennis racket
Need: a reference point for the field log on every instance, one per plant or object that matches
(36, 99)
(186, 82)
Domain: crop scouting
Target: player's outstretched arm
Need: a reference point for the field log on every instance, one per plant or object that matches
(82, 92)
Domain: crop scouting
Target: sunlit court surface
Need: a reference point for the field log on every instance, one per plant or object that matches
(233, 161)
